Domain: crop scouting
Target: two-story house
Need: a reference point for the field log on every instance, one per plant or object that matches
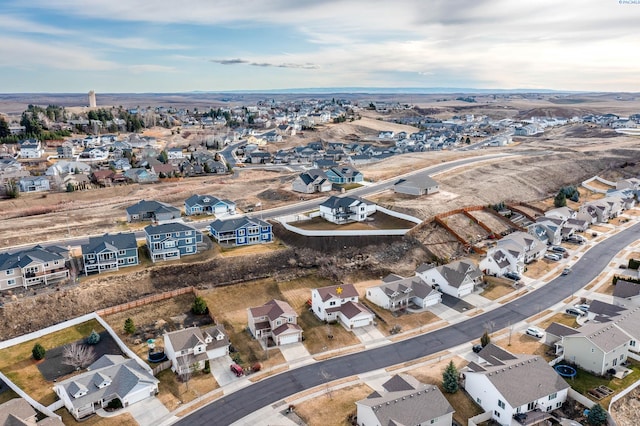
(154, 211)
(314, 180)
(34, 184)
(30, 148)
(171, 241)
(341, 210)
(207, 204)
(340, 303)
(109, 252)
(241, 231)
(344, 174)
(403, 400)
(189, 348)
(275, 323)
(457, 278)
(506, 385)
(37, 265)
(396, 293)
(512, 253)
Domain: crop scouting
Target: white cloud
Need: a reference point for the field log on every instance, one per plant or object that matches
(18, 24)
(138, 43)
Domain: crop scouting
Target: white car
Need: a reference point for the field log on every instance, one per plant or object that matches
(535, 332)
(552, 256)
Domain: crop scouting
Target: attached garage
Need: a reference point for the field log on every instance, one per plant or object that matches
(287, 333)
(288, 338)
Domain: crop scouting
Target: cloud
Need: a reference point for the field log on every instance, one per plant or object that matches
(17, 24)
(230, 61)
(145, 68)
(236, 61)
(138, 43)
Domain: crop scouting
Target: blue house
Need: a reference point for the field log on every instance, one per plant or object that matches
(344, 174)
(206, 204)
(110, 252)
(241, 231)
(171, 241)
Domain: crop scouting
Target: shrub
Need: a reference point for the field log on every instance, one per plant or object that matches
(485, 339)
(38, 352)
(207, 367)
(634, 264)
(114, 404)
(199, 306)
(93, 338)
(597, 415)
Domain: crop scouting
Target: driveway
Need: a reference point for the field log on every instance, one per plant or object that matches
(369, 335)
(294, 352)
(148, 412)
(221, 372)
(443, 312)
(455, 303)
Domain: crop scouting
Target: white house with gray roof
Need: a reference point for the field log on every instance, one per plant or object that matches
(346, 209)
(505, 385)
(110, 377)
(512, 253)
(416, 186)
(396, 292)
(457, 278)
(188, 349)
(340, 303)
(36, 265)
(403, 400)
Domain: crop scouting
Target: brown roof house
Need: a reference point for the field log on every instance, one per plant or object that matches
(340, 303)
(188, 349)
(404, 400)
(274, 323)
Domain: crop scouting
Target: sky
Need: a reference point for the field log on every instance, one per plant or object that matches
(137, 46)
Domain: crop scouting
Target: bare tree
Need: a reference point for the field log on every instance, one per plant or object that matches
(78, 356)
(327, 378)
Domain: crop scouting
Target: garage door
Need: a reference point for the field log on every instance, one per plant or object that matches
(430, 301)
(361, 322)
(465, 291)
(137, 396)
(289, 338)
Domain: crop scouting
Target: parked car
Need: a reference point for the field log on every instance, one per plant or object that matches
(477, 348)
(237, 370)
(566, 271)
(576, 312)
(558, 249)
(583, 307)
(535, 332)
(552, 256)
(512, 276)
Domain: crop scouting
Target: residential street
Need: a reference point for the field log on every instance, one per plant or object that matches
(249, 399)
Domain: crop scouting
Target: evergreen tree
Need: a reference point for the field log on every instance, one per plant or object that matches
(560, 200)
(450, 378)
(199, 306)
(38, 352)
(129, 326)
(93, 338)
(597, 415)
(4, 128)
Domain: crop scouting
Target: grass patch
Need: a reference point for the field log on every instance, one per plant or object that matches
(18, 365)
(173, 392)
(349, 186)
(406, 320)
(124, 419)
(316, 334)
(565, 319)
(250, 249)
(7, 396)
(334, 408)
(496, 287)
(585, 381)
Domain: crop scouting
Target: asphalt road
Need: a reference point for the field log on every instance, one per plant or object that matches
(237, 405)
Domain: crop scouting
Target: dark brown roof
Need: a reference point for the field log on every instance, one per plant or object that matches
(340, 291)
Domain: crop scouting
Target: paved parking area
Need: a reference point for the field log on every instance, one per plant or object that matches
(294, 352)
(148, 412)
(455, 303)
(221, 372)
(370, 335)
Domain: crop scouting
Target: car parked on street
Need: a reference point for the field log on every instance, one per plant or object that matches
(535, 332)
(575, 312)
(566, 271)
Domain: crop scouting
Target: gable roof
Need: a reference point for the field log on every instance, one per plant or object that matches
(415, 182)
(606, 337)
(112, 242)
(406, 401)
(625, 289)
(166, 228)
(229, 225)
(36, 254)
(457, 271)
(560, 330)
(144, 206)
(334, 202)
(273, 309)
(340, 291)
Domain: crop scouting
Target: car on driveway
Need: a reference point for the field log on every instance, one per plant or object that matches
(477, 348)
(583, 307)
(512, 276)
(558, 249)
(552, 256)
(535, 332)
(575, 312)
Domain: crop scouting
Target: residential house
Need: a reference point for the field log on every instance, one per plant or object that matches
(72, 181)
(175, 153)
(346, 209)
(241, 231)
(110, 252)
(506, 385)
(207, 204)
(416, 186)
(340, 303)
(37, 265)
(547, 229)
(67, 150)
(314, 180)
(396, 292)
(151, 211)
(259, 157)
(141, 175)
(63, 167)
(512, 253)
(274, 323)
(626, 293)
(403, 400)
(171, 241)
(564, 213)
(11, 170)
(18, 412)
(122, 164)
(34, 184)
(344, 174)
(189, 348)
(457, 278)
(110, 377)
(30, 148)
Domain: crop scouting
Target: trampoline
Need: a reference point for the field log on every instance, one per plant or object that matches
(566, 371)
(156, 356)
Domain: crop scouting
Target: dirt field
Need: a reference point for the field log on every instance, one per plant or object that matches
(334, 407)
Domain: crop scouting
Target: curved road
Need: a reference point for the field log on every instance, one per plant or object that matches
(237, 405)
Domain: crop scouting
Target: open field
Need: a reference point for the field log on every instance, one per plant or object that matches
(124, 419)
(333, 408)
(174, 392)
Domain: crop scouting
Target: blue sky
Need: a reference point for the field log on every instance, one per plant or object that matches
(216, 45)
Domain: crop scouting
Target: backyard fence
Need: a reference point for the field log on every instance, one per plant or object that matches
(164, 365)
(145, 301)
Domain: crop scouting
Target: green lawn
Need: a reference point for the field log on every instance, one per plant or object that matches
(585, 381)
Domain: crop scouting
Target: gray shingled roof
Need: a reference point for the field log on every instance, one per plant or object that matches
(229, 225)
(334, 202)
(625, 289)
(114, 242)
(606, 336)
(167, 228)
(23, 258)
(144, 206)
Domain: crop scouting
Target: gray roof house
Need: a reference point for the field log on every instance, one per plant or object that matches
(207, 204)
(18, 412)
(396, 292)
(188, 349)
(37, 265)
(505, 384)
(314, 180)
(416, 186)
(110, 252)
(110, 377)
(346, 209)
(626, 293)
(154, 211)
(457, 278)
(403, 400)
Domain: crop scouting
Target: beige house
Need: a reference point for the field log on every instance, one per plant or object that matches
(274, 323)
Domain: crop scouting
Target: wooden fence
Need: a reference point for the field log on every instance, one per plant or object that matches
(145, 301)
(164, 365)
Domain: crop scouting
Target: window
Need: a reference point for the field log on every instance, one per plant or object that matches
(553, 396)
(501, 404)
(632, 343)
(9, 271)
(592, 350)
(240, 231)
(621, 357)
(189, 249)
(12, 281)
(332, 303)
(559, 404)
(131, 260)
(169, 244)
(434, 420)
(479, 401)
(496, 413)
(188, 241)
(120, 261)
(265, 229)
(122, 252)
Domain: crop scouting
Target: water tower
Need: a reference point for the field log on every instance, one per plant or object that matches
(92, 99)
